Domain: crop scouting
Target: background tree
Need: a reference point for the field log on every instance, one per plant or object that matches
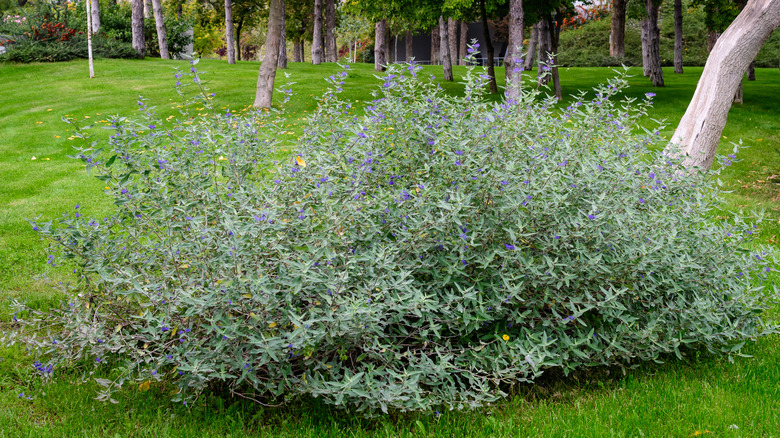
(282, 61)
(331, 51)
(229, 39)
(139, 44)
(617, 35)
(513, 59)
(651, 43)
(159, 20)
(267, 73)
(678, 37)
(380, 45)
(95, 12)
(446, 59)
(316, 42)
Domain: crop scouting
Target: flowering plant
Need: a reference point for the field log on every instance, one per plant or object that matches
(428, 253)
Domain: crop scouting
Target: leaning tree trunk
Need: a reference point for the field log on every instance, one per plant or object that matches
(409, 45)
(463, 46)
(435, 43)
(446, 59)
(700, 128)
(452, 33)
(651, 44)
(513, 61)
(545, 47)
(617, 35)
(139, 44)
(229, 39)
(282, 61)
(316, 41)
(678, 37)
(380, 62)
(330, 31)
(95, 15)
(159, 21)
(530, 56)
(265, 78)
(488, 48)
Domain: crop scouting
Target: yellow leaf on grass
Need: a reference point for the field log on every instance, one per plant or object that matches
(118, 327)
(145, 386)
(247, 295)
(272, 325)
(300, 161)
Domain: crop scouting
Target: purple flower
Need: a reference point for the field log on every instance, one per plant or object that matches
(591, 216)
(641, 201)
(650, 95)
(510, 247)
(458, 152)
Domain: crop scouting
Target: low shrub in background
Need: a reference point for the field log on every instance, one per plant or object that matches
(431, 253)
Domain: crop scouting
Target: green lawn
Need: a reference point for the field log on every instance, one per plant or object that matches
(704, 394)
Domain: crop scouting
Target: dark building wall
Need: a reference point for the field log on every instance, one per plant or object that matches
(421, 45)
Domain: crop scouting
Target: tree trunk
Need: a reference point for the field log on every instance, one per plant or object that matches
(282, 61)
(148, 9)
(316, 41)
(712, 38)
(435, 43)
(452, 33)
(488, 48)
(330, 31)
(237, 45)
(380, 62)
(751, 71)
(651, 44)
(388, 41)
(95, 15)
(678, 37)
(700, 128)
(617, 35)
(267, 74)
(298, 51)
(229, 39)
(89, 37)
(464, 36)
(545, 47)
(555, 33)
(513, 61)
(159, 21)
(139, 44)
(409, 45)
(530, 56)
(644, 31)
(390, 44)
(446, 59)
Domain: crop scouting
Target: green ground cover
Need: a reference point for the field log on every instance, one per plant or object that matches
(675, 399)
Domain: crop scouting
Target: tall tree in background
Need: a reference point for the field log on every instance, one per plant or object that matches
(700, 128)
(435, 46)
(95, 15)
(492, 86)
(409, 45)
(513, 59)
(316, 43)
(651, 43)
(452, 34)
(446, 59)
(463, 46)
(229, 39)
(678, 37)
(617, 36)
(282, 61)
(267, 73)
(159, 20)
(330, 31)
(137, 26)
(380, 41)
(532, 47)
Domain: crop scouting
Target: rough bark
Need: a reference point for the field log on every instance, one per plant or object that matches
(751, 71)
(446, 59)
(452, 33)
(514, 60)
(94, 12)
(488, 48)
(282, 61)
(700, 128)
(316, 42)
(652, 43)
(330, 31)
(617, 36)
(159, 21)
(267, 74)
(464, 36)
(380, 62)
(530, 56)
(644, 36)
(229, 38)
(298, 51)
(137, 25)
(545, 47)
(237, 45)
(678, 37)
(435, 42)
(409, 45)
(148, 9)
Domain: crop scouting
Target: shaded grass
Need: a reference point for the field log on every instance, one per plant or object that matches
(675, 399)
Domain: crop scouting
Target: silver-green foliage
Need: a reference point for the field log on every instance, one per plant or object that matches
(428, 253)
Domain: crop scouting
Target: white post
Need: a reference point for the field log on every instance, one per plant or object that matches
(89, 38)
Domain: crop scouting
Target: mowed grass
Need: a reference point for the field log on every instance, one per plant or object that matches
(702, 394)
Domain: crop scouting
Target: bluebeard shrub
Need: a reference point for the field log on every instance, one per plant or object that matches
(428, 253)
